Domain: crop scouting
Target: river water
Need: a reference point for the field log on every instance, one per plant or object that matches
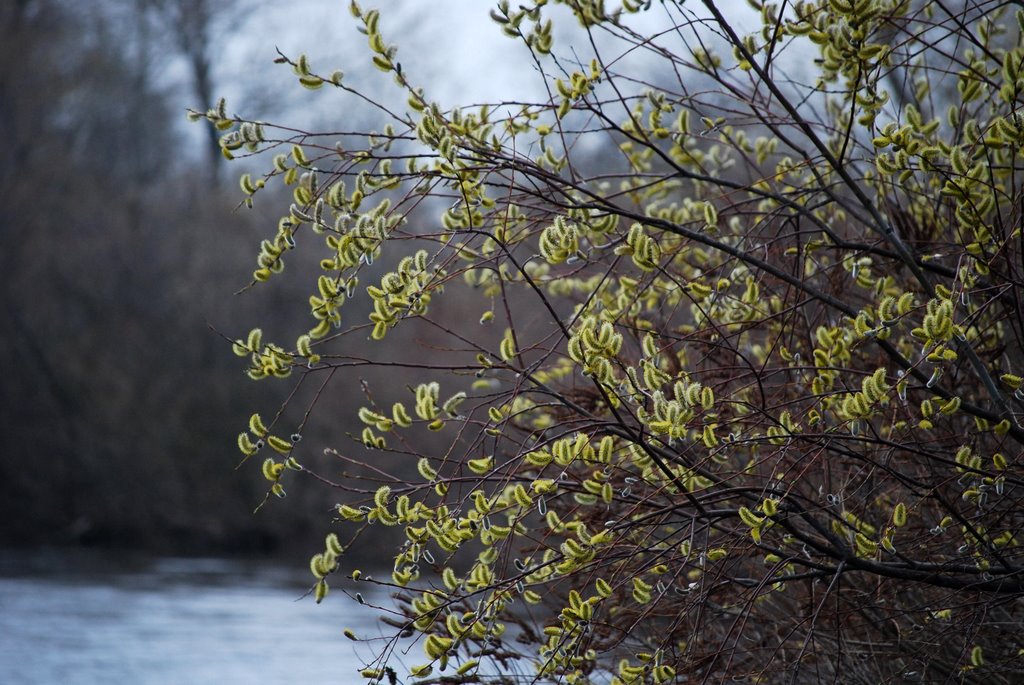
(91, 618)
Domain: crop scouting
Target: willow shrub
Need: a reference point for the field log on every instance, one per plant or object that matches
(741, 389)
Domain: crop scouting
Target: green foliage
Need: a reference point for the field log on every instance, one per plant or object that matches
(741, 418)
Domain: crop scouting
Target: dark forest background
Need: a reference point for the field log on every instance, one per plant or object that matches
(123, 242)
(120, 249)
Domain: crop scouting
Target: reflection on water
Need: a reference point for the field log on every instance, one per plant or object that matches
(77, 618)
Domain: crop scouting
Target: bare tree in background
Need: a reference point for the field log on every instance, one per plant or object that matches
(103, 313)
(195, 26)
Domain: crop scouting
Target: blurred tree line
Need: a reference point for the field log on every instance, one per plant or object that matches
(116, 401)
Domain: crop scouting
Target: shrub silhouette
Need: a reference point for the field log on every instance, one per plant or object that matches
(721, 346)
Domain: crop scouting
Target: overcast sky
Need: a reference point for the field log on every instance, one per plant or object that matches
(451, 47)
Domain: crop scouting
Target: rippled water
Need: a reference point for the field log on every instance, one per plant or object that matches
(94, 619)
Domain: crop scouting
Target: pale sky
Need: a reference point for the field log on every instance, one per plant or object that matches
(451, 47)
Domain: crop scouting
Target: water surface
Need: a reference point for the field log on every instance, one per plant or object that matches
(90, 619)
